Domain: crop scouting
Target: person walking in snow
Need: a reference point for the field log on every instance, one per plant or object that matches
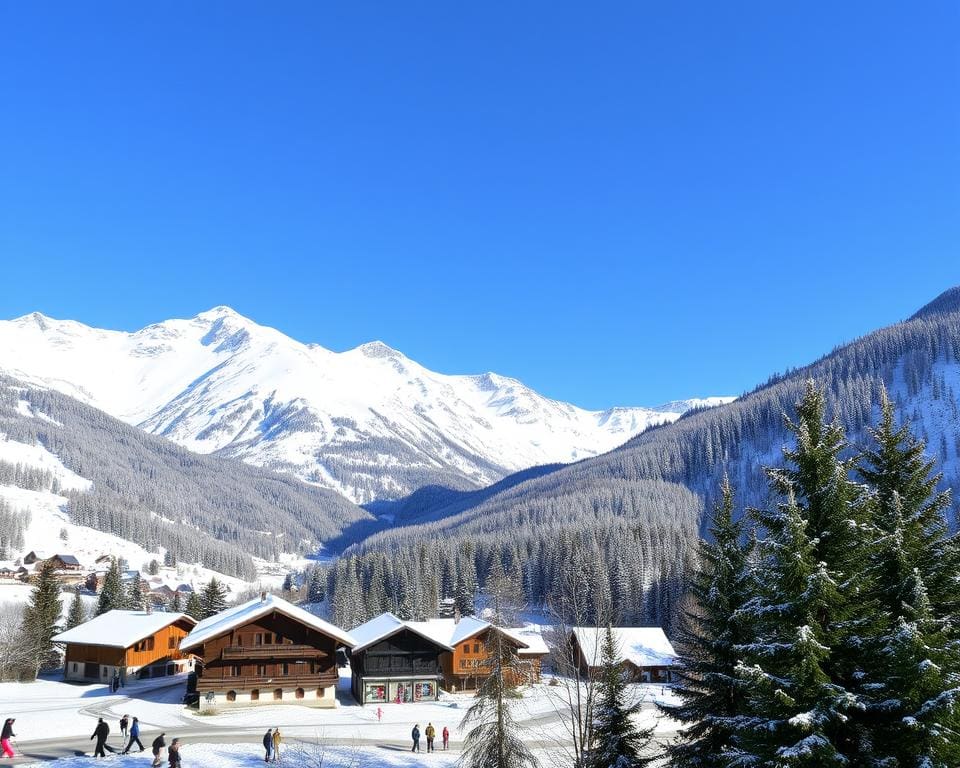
(415, 735)
(157, 746)
(277, 739)
(431, 734)
(268, 745)
(6, 735)
(134, 736)
(124, 722)
(100, 733)
(446, 737)
(173, 754)
(379, 714)
(116, 682)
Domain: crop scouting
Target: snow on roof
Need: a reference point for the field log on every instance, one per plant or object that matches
(531, 637)
(386, 624)
(467, 627)
(119, 629)
(642, 646)
(251, 610)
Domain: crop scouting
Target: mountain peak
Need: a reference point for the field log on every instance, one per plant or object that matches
(378, 349)
(35, 318)
(220, 312)
(945, 303)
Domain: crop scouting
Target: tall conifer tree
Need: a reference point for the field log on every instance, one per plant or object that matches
(709, 689)
(41, 617)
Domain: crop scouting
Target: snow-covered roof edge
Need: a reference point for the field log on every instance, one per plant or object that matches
(244, 613)
(107, 629)
(396, 625)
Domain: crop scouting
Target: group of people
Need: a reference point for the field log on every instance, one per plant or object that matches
(431, 733)
(130, 731)
(271, 743)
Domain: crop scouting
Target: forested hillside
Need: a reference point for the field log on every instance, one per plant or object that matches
(659, 484)
(203, 509)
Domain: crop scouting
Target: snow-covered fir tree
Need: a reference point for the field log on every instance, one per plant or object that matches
(112, 596)
(41, 619)
(806, 616)
(76, 614)
(213, 599)
(709, 688)
(618, 742)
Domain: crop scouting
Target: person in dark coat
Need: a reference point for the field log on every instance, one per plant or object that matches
(158, 744)
(415, 735)
(134, 736)
(268, 744)
(173, 754)
(100, 733)
(124, 722)
(6, 735)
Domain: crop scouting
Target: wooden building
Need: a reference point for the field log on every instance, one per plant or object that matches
(266, 650)
(474, 641)
(126, 643)
(395, 660)
(645, 652)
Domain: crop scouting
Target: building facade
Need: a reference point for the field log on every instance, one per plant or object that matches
(645, 653)
(126, 645)
(396, 661)
(266, 651)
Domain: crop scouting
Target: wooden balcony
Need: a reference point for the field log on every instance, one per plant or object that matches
(273, 652)
(266, 683)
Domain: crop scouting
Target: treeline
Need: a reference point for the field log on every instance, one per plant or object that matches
(27, 477)
(635, 563)
(824, 626)
(13, 529)
(204, 509)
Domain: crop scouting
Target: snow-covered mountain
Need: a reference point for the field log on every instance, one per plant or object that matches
(368, 422)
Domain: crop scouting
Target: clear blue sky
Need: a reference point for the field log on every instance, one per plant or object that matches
(619, 203)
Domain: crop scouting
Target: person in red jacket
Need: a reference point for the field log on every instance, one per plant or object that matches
(446, 737)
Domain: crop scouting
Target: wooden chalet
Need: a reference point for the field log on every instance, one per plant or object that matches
(11, 572)
(128, 644)
(61, 561)
(266, 650)
(395, 660)
(646, 654)
(474, 641)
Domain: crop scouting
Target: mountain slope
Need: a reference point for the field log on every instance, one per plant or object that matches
(369, 422)
(145, 489)
(918, 361)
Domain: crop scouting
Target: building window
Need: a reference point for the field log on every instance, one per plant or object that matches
(278, 694)
(284, 669)
(372, 692)
(268, 639)
(279, 640)
(476, 647)
(231, 695)
(463, 663)
(299, 693)
(261, 670)
(258, 638)
(466, 647)
(171, 643)
(74, 666)
(232, 670)
(255, 694)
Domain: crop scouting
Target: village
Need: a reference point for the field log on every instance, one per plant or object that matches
(358, 695)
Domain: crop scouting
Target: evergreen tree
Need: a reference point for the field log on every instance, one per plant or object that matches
(806, 618)
(112, 595)
(77, 614)
(194, 607)
(213, 599)
(41, 618)
(153, 567)
(494, 741)
(287, 582)
(135, 601)
(176, 605)
(709, 689)
(316, 589)
(910, 687)
(617, 741)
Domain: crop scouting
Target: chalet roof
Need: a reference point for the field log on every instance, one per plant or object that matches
(67, 559)
(642, 646)
(529, 637)
(386, 625)
(238, 615)
(120, 629)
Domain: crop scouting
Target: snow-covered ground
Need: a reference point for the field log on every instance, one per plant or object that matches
(352, 734)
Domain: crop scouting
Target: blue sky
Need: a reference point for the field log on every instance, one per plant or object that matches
(619, 203)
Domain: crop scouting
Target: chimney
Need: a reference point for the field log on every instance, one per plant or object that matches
(263, 597)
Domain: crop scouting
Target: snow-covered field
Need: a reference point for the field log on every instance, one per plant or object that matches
(350, 734)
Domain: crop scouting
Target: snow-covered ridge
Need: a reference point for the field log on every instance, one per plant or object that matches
(368, 422)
